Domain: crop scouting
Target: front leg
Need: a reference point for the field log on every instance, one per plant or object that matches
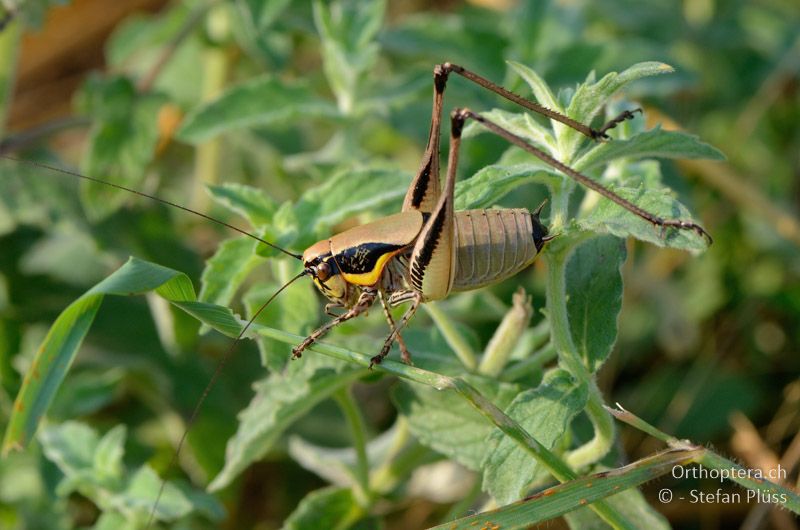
(365, 300)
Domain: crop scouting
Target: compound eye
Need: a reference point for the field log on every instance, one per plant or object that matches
(323, 271)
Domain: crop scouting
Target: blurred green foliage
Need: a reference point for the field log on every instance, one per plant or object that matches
(303, 118)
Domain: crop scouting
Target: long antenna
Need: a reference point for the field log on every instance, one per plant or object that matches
(152, 197)
(217, 371)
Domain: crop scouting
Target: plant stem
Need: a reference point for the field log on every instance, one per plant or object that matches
(451, 335)
(557, 467)
(569, 358)
(9, 48)
(215, 74)
(554, 465)
(527, 366)
(355, 421)
(750, 479)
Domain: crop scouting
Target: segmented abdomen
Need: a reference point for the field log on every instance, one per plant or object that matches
(492, 245)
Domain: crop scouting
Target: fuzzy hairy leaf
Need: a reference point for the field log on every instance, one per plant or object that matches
(346, 194)
(122, 141)
(445, 422)
(608, 217)
(281, 399)
(590, 97)
(541, 91)
(594, 297)
(92, 465)
(520, 124)
(254, 204)
(545, 411)
(649, 144)
(261, 101)
(347, 31)
(491, 183)
(227, 269)
(333, 508)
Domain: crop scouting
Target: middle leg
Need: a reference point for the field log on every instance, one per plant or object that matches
(364, 302)
(416, 300)
(405, 355)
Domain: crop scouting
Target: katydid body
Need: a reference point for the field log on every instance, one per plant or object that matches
(429, 250)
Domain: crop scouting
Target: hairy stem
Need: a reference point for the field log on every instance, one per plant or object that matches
(569, 358)
(451, 335)
(355, 422)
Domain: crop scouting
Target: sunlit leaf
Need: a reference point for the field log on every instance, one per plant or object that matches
(546, 411)
(447, 423)
(252, 203)
(281, 399)
(325, 508)
(655, 143)
(59, 348)
(594, 297)
(608, 217)
(491, 183)
(122, 141)
(261, 101)
(227, 269)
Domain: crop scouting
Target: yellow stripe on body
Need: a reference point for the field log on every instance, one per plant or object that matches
(372, 277)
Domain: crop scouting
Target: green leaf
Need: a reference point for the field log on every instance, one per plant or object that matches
(66, 254)
(139, 277)
(564, 498)
(227, 269)
(88, 392)
(649, 144)
(631, 504)
(263, 14)
(608, 217)
(109, 452)
(338, 465)
(281, 399)
(330, 508)
(70, 445)
(546, 411)
(258, 102)
(491, 183)
(346, 194)
(220, 318)
(296, 310)
(594, 297)
(521, 124)
(251, 203)
(544, 96)
(55, 355)
(590, 97)
(140, 495)
(122, 141)
(347, 30)
(111, 520)
(93, 466)
(447, 423)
